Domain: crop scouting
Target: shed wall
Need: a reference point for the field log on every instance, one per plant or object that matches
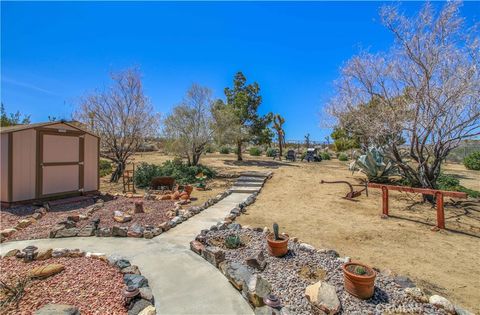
(23, 166)
(91, 163)
(4, 167)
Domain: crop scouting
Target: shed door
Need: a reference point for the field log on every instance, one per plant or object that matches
(61, 163)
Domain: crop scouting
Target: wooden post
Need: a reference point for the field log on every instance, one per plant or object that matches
(384, 201)
(440, 212)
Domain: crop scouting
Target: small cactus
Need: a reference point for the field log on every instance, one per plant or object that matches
(275, 231)
(233, 241)
(359, 270)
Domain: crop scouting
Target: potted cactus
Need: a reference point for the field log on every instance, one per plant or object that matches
(359, 280)
(277, 244)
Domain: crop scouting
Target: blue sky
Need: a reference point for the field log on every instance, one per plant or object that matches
(53, 53)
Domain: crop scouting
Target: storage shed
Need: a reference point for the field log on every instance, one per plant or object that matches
(47, 160)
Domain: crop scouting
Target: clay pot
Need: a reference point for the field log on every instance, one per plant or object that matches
(360, 286)
(277, 248)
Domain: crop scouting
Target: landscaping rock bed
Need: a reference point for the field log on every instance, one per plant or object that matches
(105, 217)
(72, 282)
(251, 270)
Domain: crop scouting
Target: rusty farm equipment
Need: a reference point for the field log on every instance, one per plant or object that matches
(353, 193)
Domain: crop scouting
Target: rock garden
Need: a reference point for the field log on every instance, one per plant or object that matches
(278, 274)
(105, 216)
(71, 281)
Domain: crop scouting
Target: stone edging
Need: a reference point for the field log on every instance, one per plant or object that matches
(143, 304)
(68, 228)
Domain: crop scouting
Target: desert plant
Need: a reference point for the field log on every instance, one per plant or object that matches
(13, 293)
(343, 157)
(233, 241)
(275, 231)
(271, 152)
(224, 150)
(472, 161)
(375, 165)
(451, 183)
(359, 270)
(325, 156)
(254, 151)
(105, 167)
(182, 173)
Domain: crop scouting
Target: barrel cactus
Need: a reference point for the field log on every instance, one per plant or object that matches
(233, 241)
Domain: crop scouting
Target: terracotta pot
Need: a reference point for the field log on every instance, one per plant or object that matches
(360, 286)
(277, 248)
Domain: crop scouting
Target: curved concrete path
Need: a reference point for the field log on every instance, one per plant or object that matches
(182, 282)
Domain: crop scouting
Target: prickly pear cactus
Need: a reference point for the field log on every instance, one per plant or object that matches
(275, 231)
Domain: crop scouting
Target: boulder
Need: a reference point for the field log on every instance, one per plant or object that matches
(164, 226)
(11, 253)
(74, 218)
(323, 296)
(37, 215)
(44, 254)
(86, 231)
(149, 310)
(237, 274)
(306, 247)
(24, 223)
(442, 302)
(417, 294)
(60, 252)
(213, 255)
(146, 293)
(7, 232)
(67, 233)
(197, 247)
(148, 234)
(119, 231)
(256, 289)
(135, 231)
(46, 271)
(122, 263)
(333, 253)
(138, 306)
(131, 269)
(134, 280)
(58, 309)
(104, 232)
(75, 253)
(461, 311)
(267, 310)
(234, 226)
(257, 261)
(68, 224)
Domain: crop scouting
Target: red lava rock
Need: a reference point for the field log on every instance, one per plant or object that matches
(155, 214)
(92, 285)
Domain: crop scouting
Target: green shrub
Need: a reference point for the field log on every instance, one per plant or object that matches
(451, 183)
(271, 152)
(343, 157)
(105, 167)
(224, 150)
(255, 151)
(235, 150)
(325, 156)
(472, 161)
(182, 173)
(209, 149)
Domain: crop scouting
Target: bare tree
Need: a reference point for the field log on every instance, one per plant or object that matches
(121, 115)
(426, 89)
(189, 127)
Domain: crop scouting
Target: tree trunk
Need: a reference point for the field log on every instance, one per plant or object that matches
(118, 172)
(196, 158)
(280, 147)
(239, 151)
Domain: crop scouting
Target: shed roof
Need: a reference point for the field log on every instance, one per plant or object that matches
(73, 124)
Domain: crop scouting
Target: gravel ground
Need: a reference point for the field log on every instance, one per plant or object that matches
(289, 285)
(155, 214)
(90, 284)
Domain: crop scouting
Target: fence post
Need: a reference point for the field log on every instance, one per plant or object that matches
(440, 210)
(384, 202)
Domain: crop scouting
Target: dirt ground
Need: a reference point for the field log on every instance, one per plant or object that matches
(441, 262)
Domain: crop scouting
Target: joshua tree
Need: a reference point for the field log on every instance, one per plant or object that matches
(278, 122)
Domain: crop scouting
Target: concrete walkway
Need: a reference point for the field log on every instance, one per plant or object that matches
(182, 282)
